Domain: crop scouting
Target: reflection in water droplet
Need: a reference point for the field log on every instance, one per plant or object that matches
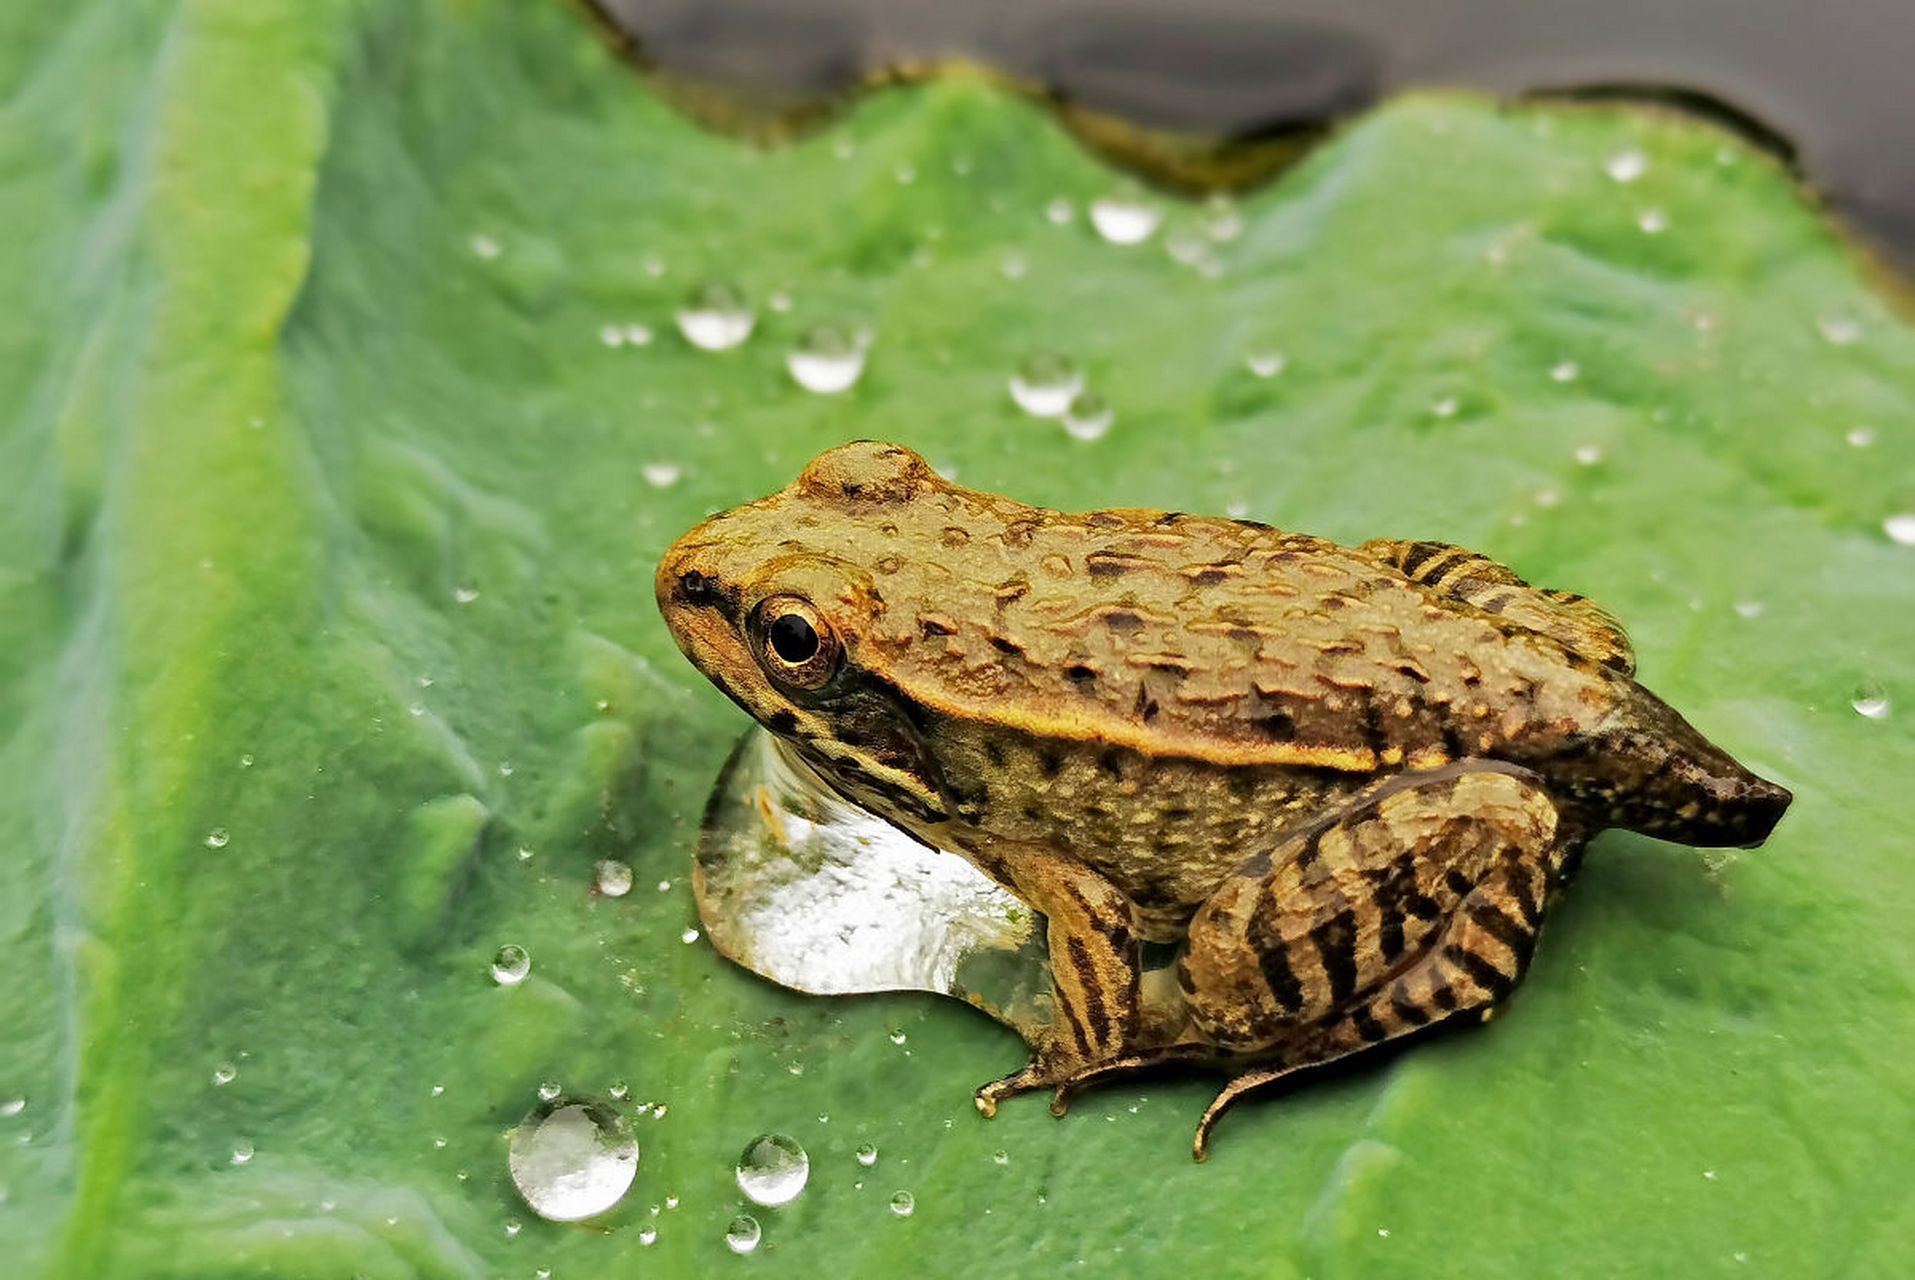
(1565, 371)
(1626, 166)
(1653, 221)
(1265, 364)
(242, 1152)
(612, 878)
(1901, 528)
(1058, 211)
(743, 1234)
(867, 1155)
(225, 1073)
(572, 1161)
(1839, 330)
(510, 965)
(903, 1204)
(1872, 702)
(773, 1169)
(660, 475)
(717, 318)
(1125, 218)
(1088, 416)
(827, 360)
(1045, 384)
(1861, 437)
(217, 838)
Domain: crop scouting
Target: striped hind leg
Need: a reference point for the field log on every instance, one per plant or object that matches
(1419, 902)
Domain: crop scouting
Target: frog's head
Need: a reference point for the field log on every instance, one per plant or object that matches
(774, 602)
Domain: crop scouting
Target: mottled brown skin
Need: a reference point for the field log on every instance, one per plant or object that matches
(1347, 781)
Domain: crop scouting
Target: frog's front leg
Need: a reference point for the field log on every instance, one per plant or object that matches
(1094, 973)
(1419, 901)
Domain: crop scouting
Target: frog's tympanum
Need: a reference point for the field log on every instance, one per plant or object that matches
(1346, 783)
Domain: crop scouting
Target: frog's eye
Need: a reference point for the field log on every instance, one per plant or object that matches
(797, 646)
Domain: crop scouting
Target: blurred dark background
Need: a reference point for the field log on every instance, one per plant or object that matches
(1829, 84)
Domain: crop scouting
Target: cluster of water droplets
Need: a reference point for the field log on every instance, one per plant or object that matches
(1048, 385)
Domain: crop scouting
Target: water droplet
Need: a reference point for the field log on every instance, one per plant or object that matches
(242, 1151)
(1058, 211)
(1839, 330)
(1749, 608)
(664, 886)
(1901, 528)
(1045, 384)
(438, 1090)
(549, 1091)
(573, 1161)
(505, 768)
(717, 318)
(1445, 407)
(773, 1169)
(484, 246)
(867, 1155)
(1014, 265)
(510, 965)
(648, 1235)
(1125, 217)
(654, 265)
(660, 475)
(897, 1037)
(903, 1204)
(1223, 221)
(1588, 454)
(1565, 371)
(1861, 437)
(1088, 416)
(671, 1202)
(1653, 221)
(1186, 245)
(465, 595)
(844, 148)
(1000, 1157)
(246, 761)
(826, 360)
(1871, 702)
(512, 1229)
(12, 1107)
(619, 1091)
(611, 335)
(690, 935)
(905, 174)
(778, 300)
(525, 853)
(638, 335)
(1265, 364)
(1626, 166)
(225, 1073)
(613, 878)
(743, 1234)
(217, 838)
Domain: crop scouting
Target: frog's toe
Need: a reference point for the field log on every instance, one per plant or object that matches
(1021, 1081)
(1061, 1098)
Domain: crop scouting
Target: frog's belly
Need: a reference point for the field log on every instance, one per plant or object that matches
(1167, 831)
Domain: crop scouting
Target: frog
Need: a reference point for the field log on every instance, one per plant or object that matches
(1339, 787)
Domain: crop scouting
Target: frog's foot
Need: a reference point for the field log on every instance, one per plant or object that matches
(1250, 1080)
(1037, 1075)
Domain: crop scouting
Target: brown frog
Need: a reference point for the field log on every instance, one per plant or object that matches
(1345, 782)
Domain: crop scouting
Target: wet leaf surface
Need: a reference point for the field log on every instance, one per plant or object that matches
(348, 410)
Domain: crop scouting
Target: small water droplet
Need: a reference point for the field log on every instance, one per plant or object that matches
(1045, 384)
(505, 768)
(1901, 528)
(1089, 416)
(1653, 221)
(1000, 1157)
(844, 148)
(246, 760)
(612, 878)
(690, 935)
(671, 1202)
(1058, 211)
(638, 335)
(1861, 437)
(1223, 221)
(653, 264)
(660, 475)
(225, 1073)
(512, 1229)
(1125, 217)
(867, 1155)
(773, 1169)
(743, 1234)
(611, 335)
(1588, 454)
(1749, 608)
(619, 1091)
(903, 1203)
(510, 964)
(12, 1107)
(465, 595)
(217, 838)
(897, 1037)
(905, 174)
(664, 886)
(438, 1090)
(1186, 245)
(242, 1152)
(1445, 407)
(1014, 265)
(549, 1091)
(717, 318)
(484, 246)
(1565, 371)
(525, 853)
(1871, 702)
(1626, 166)
(1839, 330)
(572, 1161)
(648, 1235)
(827, 360)
(1265, 364)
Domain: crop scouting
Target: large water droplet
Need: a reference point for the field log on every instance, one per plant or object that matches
(612, 878)
(1872, 702)
(1901, 528)
(12, 1107)
(1626, 166)
(717, 318)
(1125, 217)
(827, 360)
(1088, 416)
(1045, 384)
(510, 964)
(867, 1155)
(903, 1203)
(773, 1169)
(573, 1161)
(743, 1234)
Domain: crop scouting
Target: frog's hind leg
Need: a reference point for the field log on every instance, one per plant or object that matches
(1576, 622)
(1420, 902)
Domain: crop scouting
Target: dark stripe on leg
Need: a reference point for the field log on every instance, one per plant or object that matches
(1407, 1010)
(1093, 994)
(1366, 1026)
(1495, 983)
(1335, 941)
